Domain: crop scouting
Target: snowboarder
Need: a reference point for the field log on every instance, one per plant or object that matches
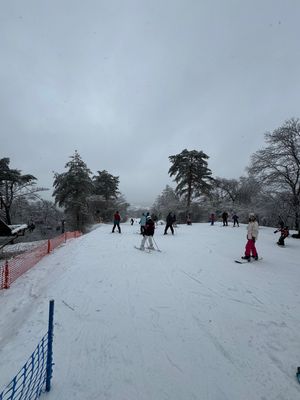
(284, 233)
(148, 233)
(252, 234)
(117, 220)
(169, 224)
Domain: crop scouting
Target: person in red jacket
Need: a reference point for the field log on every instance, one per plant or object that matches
(284, 233)
(117, 220)
(148, 233)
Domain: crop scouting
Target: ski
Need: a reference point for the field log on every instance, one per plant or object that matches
(147, 249)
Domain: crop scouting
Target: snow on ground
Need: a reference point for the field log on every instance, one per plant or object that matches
(186, 323)
(12, 249)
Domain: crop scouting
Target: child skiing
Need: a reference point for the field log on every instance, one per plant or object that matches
(148, 233)
(284, 233)
(252, 234)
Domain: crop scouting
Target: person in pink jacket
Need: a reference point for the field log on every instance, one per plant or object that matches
(252, 234)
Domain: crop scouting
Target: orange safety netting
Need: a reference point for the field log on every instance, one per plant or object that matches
(12, 269)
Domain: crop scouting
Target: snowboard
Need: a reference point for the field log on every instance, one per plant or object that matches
(247, 261)
(298, 374)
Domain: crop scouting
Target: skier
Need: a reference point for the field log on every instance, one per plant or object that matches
(142, 223)
(235, 220)
(148, 233)
(131, 221)
(169, 224)
(252, 234)
(117, 220)
(212, 218)
(284, 233)
(225, 218)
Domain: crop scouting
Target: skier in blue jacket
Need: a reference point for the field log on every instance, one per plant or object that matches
(142, 223)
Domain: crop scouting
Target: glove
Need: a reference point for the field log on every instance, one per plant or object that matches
(275, 231)
(253, 239)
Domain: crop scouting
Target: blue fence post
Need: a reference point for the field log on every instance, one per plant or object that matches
(50, 342)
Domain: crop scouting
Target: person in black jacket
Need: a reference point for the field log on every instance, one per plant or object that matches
(225, 218)
(148, 233)
(170, 221)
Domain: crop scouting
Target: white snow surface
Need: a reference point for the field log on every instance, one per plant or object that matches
(182, 324)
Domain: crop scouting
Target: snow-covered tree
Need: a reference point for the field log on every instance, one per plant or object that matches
(13, 186)
(277, 166)
(167, 201)
(72, 189)
(192, 175)
(106, 185)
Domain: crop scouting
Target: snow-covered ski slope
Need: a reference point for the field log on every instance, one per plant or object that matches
(186, 323)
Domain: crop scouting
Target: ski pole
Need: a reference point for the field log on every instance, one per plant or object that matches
(155, 244)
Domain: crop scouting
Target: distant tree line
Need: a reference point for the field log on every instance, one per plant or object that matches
(270, 188)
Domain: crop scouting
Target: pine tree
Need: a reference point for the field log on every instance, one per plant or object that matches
(192, 175)
(106, 185)
(72, 189)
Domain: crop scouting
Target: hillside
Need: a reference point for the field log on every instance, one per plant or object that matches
(186, 323)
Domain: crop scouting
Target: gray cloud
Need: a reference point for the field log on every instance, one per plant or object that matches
(129, 83)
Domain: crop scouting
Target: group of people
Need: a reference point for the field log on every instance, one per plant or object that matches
(235, 219)
(147, 229)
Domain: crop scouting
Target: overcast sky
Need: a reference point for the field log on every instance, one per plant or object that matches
(128, 83)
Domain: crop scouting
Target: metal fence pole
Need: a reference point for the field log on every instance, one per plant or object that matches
(50, 342)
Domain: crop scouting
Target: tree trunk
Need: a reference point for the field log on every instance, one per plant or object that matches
(7, 215)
